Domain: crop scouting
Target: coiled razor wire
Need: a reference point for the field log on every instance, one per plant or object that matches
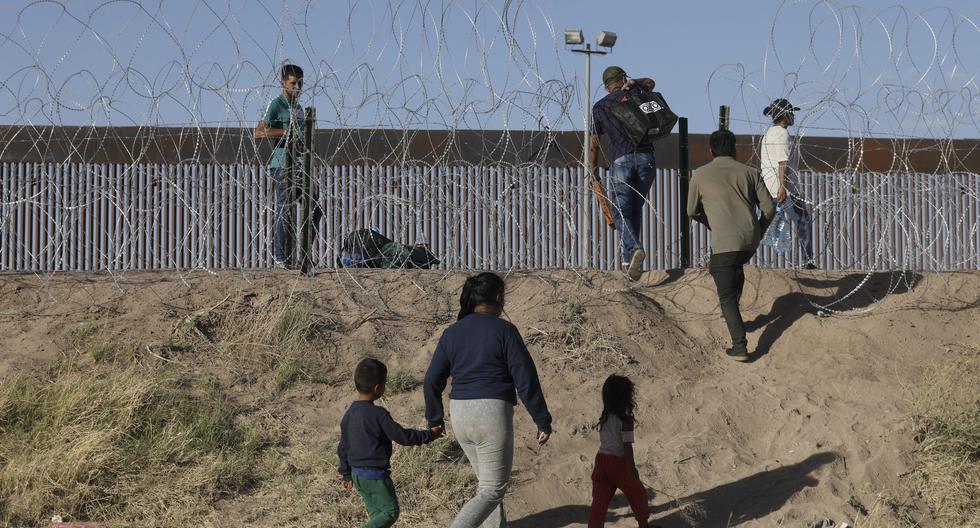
(153, 78)
(886, 76)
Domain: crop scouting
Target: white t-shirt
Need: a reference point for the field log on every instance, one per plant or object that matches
(777, 146)
(612, 437)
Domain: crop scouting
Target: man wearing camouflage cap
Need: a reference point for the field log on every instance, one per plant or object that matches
(631, 170)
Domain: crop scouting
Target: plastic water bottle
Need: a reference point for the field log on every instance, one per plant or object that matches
(778, 236)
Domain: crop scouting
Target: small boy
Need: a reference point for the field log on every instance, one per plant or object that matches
(366, 433)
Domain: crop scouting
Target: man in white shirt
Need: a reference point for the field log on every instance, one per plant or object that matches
(780, 171)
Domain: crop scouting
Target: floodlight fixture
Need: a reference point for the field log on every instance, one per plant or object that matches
(607, 39)
(573, 37)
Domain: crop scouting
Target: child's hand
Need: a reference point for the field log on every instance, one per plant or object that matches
(348, 484)
(438, 431)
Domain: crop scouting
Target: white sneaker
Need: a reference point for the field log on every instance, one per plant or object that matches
(635, 269)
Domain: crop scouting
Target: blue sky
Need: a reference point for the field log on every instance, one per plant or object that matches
(491, 64)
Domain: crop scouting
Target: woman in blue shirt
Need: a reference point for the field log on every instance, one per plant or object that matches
(490, 366)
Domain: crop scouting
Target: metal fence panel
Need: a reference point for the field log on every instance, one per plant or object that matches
(102, 217)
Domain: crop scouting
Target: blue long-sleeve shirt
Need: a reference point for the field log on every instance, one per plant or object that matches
(486, 357)
(366, 433)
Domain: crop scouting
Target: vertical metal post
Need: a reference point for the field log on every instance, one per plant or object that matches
(290, 173)
(306, 194)
(685, 174)
(723, 118)
(584, 224)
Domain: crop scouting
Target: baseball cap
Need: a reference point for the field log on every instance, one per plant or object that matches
(612, 73)
(779, 107)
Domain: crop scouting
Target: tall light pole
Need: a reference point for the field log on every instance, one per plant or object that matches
(607, 39)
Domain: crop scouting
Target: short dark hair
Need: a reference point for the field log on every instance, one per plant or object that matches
(369, 372)
(291, 70)
(722, 143)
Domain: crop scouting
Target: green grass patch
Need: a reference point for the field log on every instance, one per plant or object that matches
(400, 381)
(571, 313)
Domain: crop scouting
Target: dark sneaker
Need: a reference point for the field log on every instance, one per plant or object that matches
(635, 270)
(810, 266)
(737, 355)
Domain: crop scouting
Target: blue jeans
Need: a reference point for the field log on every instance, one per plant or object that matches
(284, 241)
(799, 213)
(627, 184)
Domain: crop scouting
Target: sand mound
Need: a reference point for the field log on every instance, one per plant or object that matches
(821, 417)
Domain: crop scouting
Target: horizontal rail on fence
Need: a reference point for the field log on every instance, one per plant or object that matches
(114, 217)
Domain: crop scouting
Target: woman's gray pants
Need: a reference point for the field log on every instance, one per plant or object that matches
(485, 431)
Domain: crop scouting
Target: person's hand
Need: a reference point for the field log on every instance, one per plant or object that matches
(348, 484)
(543, 438)
(634, 473)
(781, 195)
(438, 431)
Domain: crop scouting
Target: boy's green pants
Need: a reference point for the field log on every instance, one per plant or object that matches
(379, 497)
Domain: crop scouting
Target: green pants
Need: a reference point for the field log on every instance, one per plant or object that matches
(379, 497)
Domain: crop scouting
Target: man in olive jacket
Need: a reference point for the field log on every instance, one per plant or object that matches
(724, 195)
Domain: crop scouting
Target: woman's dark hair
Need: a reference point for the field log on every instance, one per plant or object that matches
(722, 143)
(291, 70)
(485, 288)
(618, 398)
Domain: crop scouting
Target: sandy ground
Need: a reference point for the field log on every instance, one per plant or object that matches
(820, 416)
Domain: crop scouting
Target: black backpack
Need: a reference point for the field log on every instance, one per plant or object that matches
(644, 116)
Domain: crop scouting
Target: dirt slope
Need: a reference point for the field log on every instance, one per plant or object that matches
(821, 416)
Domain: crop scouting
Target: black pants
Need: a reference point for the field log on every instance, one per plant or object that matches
(726, 270)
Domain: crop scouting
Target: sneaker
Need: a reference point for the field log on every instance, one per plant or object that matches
(279, 264)
(737, 355)
(810, 266)
(635, 269)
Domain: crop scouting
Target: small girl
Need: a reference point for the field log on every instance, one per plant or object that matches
(614, 464)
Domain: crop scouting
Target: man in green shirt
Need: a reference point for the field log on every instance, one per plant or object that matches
(283, 122)
(724, 195)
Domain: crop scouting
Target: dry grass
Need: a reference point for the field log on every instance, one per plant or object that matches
(580, 344)
(429, 479)
(583, 346)
(947, 458)
(889, 512)
(90, 341)
(291, 341)
(114, 434)
(119, 444)
(947, 473)
(432, 482)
